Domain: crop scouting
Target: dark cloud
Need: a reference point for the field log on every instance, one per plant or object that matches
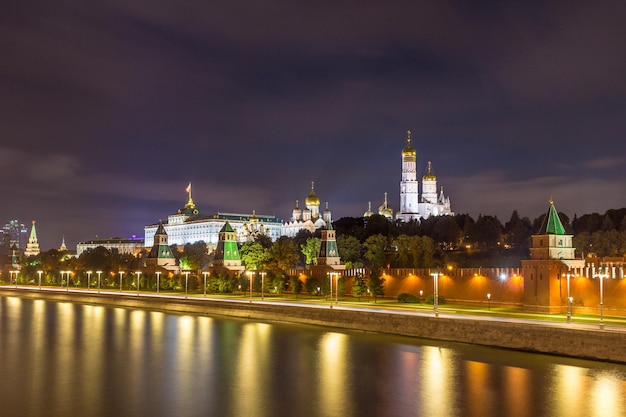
(109, 109)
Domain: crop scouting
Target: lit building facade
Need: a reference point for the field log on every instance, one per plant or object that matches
(413, 205)
(123, 246)
(308, 218)
(188, 225)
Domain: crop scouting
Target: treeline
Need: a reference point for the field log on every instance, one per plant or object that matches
(374, 243)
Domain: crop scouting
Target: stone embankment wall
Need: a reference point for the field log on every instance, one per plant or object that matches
(541, 337)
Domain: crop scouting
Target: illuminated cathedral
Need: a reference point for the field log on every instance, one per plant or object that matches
(413, 205)
(308, 218)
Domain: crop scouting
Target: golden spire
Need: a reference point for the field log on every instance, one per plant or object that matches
(408, 150)
(429, 176)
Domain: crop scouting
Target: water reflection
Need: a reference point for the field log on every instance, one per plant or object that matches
(61, 359)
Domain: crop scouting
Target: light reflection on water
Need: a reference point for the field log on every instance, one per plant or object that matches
(62, 359)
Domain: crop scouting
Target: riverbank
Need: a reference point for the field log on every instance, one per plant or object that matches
(540, 337)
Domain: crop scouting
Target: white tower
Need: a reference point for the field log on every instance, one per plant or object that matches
(409, 197)
(429, 186)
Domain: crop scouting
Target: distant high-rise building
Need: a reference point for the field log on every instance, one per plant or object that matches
(15, 232)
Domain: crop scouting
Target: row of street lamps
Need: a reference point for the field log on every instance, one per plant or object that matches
(251, 274)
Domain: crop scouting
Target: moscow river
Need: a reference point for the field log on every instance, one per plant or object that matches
(60, 359)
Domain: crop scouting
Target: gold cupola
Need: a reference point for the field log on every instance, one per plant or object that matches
(408, 150)
(312, 199)
(429, 176)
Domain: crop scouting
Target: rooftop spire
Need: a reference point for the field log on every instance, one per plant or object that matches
(552, 223)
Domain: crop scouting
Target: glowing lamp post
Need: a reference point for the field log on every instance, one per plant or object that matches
(602, 276)
(121, 279)
(137, 280)
(204, 274)
(569, 299)
(99, 279)
(158, 275)
(436, 299)
(262, 284)
(250, 274)
(39, 273)
(421, 295)
(89, 279)
(186, 282)
(489, 301)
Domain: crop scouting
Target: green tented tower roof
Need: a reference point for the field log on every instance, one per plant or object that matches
(552, 223)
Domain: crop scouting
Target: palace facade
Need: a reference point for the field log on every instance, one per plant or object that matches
(189, 225)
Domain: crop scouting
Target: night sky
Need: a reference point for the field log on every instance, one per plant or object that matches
(108, 109)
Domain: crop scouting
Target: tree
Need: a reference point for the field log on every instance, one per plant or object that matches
(446, 231)
(375, 283)
(296, 285)
(349, 249)
(283, 254)
(359, 286)
(195, 256)
(378, 225)
(254, 255)
(311, 250)
(517, 231)
(374, 247)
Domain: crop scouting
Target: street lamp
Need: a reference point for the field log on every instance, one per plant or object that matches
(250, 273)
(89, 279)
(436, 299)
(158, 275)
(262, 284)
(602, 276)
(488, 301)
(569, 299)
(121, 277)
(421, 294)
(99, 279)
(186, 282)
(39, 273)
(137, 279)
(330, 277)
(204, 274)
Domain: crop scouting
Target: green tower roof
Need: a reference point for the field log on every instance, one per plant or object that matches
(552, 223)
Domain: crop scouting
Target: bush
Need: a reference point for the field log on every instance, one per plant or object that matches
(405, 297)
(431, 300)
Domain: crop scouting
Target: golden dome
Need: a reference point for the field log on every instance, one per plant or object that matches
(429, 176)
(408, 150)
(312, 199)
(385, 210)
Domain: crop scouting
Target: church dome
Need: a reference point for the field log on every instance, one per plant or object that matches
(297, 209)
(327, 210)
(408, 150)
(429, 176)
(369, 211)
(385, 210)
(312, 199)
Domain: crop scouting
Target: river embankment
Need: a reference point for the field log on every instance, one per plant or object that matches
(540, 337)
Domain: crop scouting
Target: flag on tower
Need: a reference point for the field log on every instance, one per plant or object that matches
(188, 189)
